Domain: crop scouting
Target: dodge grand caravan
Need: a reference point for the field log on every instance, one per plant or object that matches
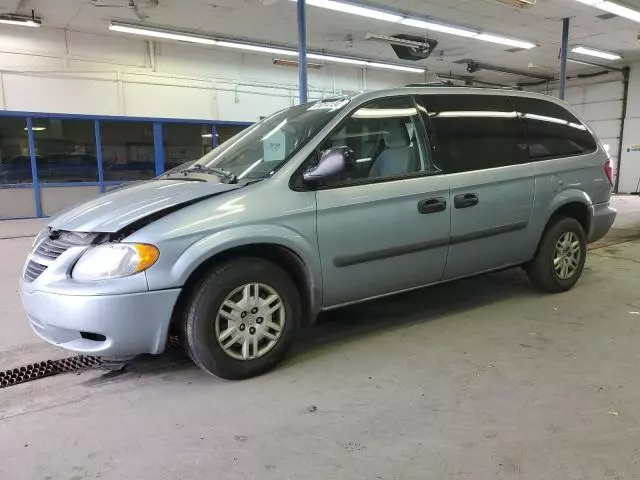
(319, 206)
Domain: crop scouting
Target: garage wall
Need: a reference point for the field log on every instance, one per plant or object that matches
(630, 166)
(58, 71)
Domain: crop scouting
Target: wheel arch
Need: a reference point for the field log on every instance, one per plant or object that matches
(296, 257)
(571, 203)
(574, 204)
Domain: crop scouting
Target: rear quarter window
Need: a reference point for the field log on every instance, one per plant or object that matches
(552, 131)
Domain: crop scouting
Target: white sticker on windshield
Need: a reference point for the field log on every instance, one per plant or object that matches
(274, 147)
(334, 105)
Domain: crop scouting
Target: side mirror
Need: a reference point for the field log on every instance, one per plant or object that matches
(332, 162)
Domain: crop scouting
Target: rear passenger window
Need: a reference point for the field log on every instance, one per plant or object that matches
(551, 130)
(474, 132)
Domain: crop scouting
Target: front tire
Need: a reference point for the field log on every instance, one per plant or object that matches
(242, 318)
(560, 258)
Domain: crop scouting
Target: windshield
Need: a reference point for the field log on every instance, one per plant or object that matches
(261, 149)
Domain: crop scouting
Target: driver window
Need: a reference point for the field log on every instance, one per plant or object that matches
(386, 141)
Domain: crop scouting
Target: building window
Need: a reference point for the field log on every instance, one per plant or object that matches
(127, 151)
(185, 142)
(15, 164)
(65, 150)
(226, 132)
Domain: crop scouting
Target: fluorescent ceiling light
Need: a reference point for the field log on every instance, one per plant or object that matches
(614, 8)
(400, 68)
(256, 48)
(36, 129)
(207, 135)
(438, 27)
(156, 33)
(504, 41)
(365, 63)
(329, 58)
(20, 21)
(184, 37)
(596, 53)
(355, 9)
(285, 62)
(393, 17)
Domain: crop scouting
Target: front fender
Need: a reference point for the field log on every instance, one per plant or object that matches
(224, 240)
(227, 239)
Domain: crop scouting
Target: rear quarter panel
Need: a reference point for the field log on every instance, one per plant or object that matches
(566, 180)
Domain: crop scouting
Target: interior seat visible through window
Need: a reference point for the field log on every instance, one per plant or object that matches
(385, 140)
(400, 155)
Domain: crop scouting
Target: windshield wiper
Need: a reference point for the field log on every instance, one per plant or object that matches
(224, 175)
(190, 179)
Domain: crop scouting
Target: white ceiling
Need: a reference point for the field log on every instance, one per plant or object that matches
(274, 21)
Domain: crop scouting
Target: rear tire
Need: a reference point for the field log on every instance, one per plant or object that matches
(560, 258)
(229, 328)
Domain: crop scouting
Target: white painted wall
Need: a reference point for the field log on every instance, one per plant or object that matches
(53, 70)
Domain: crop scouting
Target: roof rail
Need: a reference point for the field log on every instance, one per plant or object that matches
(451, 84)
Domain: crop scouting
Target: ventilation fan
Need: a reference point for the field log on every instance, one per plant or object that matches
(407, 47)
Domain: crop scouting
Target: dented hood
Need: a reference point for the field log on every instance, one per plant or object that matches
(115, 210)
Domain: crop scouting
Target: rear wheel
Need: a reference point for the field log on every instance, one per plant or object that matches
(242, 318)
(560, 258)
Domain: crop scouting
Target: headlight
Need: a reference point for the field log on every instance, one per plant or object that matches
(114, 260)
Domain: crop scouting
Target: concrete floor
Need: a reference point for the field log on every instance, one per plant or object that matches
(478, 379)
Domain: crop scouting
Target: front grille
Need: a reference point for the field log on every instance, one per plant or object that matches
(59, 242)
(49, 249)
(33, 271)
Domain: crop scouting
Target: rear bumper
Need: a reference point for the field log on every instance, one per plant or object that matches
(602, 217)
(118, 325)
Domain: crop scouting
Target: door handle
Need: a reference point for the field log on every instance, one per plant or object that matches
(465, 200)
(432, 205)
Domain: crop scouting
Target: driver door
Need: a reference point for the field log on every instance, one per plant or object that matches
(383, 226)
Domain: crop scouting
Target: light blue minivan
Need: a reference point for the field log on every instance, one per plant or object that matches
(315, 207)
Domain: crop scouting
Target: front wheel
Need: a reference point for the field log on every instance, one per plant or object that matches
(242, 318)
(560, 258)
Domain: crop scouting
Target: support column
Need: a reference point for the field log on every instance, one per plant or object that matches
(158, 147)
(214, 136)
(563, 56)
(98, 137)
(34, 168)
(302, 50)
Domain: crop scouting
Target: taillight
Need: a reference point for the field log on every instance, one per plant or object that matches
(608, 170)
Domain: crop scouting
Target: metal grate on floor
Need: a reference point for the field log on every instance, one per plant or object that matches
(46, 368)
